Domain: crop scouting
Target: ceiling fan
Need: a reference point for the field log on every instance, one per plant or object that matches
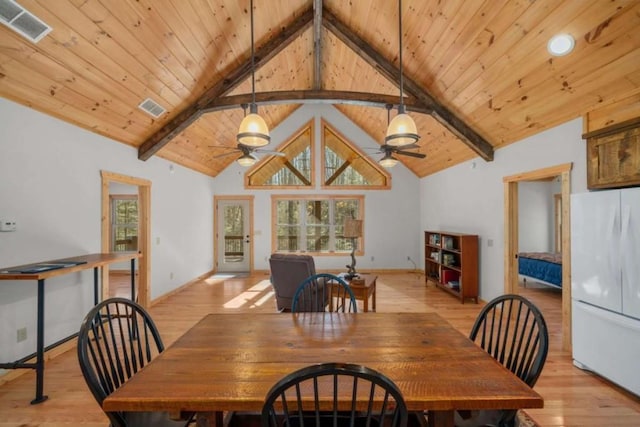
(247, 158)
(389, 150)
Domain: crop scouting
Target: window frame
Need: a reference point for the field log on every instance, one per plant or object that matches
(275, 198)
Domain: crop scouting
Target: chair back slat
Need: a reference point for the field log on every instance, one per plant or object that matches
(359, 397)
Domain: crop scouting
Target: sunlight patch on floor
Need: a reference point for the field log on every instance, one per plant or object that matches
(253, 297)
(219, 277)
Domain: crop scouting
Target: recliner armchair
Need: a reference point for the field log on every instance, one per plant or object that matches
(287, 272)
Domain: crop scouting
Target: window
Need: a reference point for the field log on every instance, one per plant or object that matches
(346, 166)
(124, 223)
(293, 170)
(314, 224)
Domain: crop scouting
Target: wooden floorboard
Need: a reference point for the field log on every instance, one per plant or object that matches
(572, 397)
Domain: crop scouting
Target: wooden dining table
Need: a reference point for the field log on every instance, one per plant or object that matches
(228, 362)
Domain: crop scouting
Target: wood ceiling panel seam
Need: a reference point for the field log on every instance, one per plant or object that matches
(151, 17)
(493, 59)
(165, 79)
(35, 60)
(469, 66)
(570, 71)
(522, 60)
(589, 96)
(87, 57)
(18, 91)
(463, 44)
(151, 39)
(436, 34)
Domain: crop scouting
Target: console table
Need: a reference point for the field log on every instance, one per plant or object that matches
(44, 270)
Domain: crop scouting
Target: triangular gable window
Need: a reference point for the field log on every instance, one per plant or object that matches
(344, 165)
(294, 169)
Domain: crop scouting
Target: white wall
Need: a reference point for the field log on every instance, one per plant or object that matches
(471, 199)
(535, 217)
(50, 185)
(392, 217)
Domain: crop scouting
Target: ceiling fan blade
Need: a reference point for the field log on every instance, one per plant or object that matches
(396, 148)
(226, 154)
(410, 154)
(269, 153)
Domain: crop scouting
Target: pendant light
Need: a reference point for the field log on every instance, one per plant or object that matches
(402, 129)
(253, 130)
(388, 161)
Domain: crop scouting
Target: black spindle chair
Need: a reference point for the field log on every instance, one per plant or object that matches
(319, 291)
(354, 396)
(512, 330)
(117, 338)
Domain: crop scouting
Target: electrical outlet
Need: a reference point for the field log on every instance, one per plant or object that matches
(171, 275)
(373, 258)
(408, 258)
(22, 334)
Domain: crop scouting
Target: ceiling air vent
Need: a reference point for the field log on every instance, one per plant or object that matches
(22, 21)
(152, 108)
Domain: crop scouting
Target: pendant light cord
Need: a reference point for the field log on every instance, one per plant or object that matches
(253, 65)
(400, 55)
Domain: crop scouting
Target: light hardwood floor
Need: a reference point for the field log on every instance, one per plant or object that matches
(572, 397)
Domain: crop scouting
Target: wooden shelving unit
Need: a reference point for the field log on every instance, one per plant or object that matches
(451, 263)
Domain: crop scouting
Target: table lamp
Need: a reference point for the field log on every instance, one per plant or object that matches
(352, 230)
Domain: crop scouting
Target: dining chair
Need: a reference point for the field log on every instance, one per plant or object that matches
(323, 290)
(117, 338)
(334, 394)
(513, 331)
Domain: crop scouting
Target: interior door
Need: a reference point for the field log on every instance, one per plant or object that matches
(233, 235)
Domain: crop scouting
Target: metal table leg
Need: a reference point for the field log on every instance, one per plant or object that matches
(40, 347)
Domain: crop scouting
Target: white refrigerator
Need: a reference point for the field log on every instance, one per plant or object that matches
(605, 284)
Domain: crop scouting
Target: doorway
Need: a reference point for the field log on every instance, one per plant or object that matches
(143, 236)
(233, 229)
(511, 236)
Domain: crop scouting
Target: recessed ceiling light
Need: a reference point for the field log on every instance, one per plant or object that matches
(561, 44)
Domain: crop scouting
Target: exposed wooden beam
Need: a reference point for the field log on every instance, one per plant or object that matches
(385, 67)
(262, 55)
(297, 173)
(337, 173)
(317, 46)
(315, 97)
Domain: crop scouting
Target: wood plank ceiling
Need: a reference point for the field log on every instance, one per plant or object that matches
(484, 63)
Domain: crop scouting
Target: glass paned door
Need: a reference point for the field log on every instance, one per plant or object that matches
(233, 236)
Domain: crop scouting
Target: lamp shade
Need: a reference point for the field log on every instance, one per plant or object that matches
(401, 131)
(388, 161)
(253, 131)
(247, 160)
(352, 227)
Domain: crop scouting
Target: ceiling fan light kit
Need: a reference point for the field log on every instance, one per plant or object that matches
(388, 161)
(247, 160)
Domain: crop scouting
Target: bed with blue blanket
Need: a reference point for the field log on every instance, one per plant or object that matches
(543, 267)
